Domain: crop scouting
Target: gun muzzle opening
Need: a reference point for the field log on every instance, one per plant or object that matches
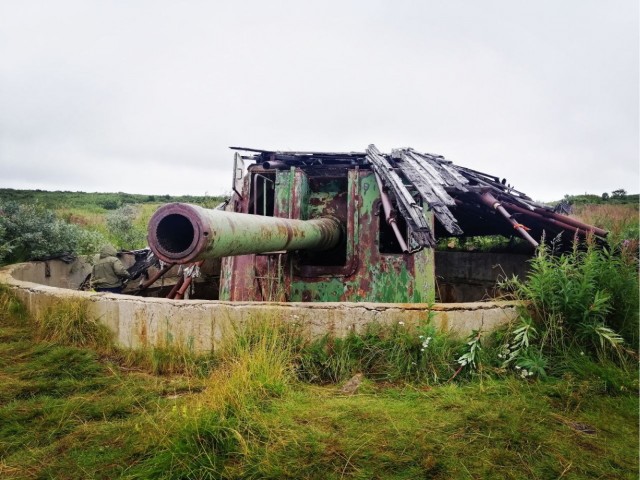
(175, 233)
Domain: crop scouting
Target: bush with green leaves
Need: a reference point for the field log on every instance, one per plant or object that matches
(110, 204)
(30, 232)
(5, 245)
(122, 230)
(582, 303)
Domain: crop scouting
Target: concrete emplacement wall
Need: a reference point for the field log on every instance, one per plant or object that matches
(201, 325)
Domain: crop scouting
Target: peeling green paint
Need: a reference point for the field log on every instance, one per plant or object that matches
(360, 273)
(284, 188)
(393, 278)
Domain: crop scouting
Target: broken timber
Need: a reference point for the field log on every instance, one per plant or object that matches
(416, 182)
(412, 212)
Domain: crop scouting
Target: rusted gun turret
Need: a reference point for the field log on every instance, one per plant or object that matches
(184, 233)
(348, 227)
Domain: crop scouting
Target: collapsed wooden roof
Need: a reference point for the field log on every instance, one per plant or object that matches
(464, 202)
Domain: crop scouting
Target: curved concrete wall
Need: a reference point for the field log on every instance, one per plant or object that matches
(201, 325)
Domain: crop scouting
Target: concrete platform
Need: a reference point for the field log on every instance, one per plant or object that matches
(201, 325)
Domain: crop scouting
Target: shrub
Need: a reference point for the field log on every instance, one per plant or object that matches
(5, 244)
(122, 230)
(583, 301)
(110, 204)
(30, 232)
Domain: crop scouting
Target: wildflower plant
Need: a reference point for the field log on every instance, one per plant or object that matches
(519, 341)
(471, 354)
(425, 342)
(531, 363)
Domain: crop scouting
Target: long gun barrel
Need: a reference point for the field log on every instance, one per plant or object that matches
(184, 233)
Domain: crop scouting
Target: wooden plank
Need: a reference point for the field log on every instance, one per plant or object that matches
(410, 210)
(425, 188)
(445, 168)
(430, 175)
(459, 181)
(421, 184)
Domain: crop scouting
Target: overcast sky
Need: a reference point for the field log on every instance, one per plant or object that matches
(146, 96)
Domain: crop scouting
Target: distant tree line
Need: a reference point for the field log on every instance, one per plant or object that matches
(618, 196)
(98, 201)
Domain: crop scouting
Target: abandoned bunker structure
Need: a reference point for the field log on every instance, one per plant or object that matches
(352, 227)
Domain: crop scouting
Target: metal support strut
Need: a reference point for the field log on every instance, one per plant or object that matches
(388, 216)
(493, 203)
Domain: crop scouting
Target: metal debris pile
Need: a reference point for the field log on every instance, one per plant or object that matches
(464, 202)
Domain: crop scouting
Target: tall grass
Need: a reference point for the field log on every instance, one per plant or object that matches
(227, 432)
(12, 310)
(224, 425)
(68, 322)
(396, 353)
(168, 359)
(69, 413)
(620, 220)
(256, 363)
(256, 420)
(84, 217)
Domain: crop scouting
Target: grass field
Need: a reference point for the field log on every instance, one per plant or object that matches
(89, 219)
(71, 412)
(270, 406)
(621, 221)
(97, 202)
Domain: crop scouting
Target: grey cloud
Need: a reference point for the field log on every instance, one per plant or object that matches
(544, 93)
